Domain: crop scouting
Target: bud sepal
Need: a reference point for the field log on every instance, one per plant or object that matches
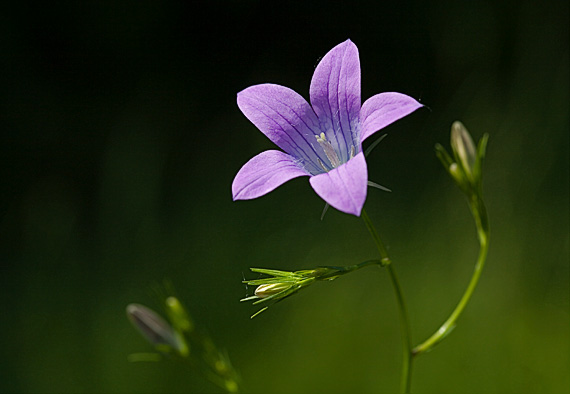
(465, 167)
(282, 284)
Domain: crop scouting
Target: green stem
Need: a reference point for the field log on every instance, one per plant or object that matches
(480, 216)
(406, 331)
(349, 268)
(376, 237)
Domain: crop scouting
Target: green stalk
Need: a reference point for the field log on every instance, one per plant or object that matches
(480, 216)
(406, 377)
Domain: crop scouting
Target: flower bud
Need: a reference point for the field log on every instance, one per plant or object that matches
(264, 291)
(154, 328)
(463, 147)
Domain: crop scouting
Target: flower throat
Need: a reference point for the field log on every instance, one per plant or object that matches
(330, 152)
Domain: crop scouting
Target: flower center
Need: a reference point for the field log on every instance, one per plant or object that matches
(330, 152)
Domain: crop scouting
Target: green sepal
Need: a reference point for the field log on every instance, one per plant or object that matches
(268, 281)
(374, 145)
(443, 156)
(179, 318)
(478, 168)
(272, 272)
(258, 312)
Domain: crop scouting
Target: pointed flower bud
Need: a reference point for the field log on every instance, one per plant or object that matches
(463, 148)
(264, 291)
(465, 165)
(155, 329)
(282, 284)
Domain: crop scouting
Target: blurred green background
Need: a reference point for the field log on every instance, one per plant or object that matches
(120, 137)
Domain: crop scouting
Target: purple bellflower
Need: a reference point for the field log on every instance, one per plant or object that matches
(322, 140)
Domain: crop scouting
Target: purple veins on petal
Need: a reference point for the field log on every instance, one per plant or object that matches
(344, 187)
(383, 109)
(322, 140)
(335, 95)
(285, 118)
(263, 173)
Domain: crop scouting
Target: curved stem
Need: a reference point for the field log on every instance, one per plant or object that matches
(480, 216)
(406, 332)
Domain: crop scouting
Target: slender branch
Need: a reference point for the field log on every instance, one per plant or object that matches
(405, 383)
(480, 216)
(349, 268)
(404, 321)
(376, 237)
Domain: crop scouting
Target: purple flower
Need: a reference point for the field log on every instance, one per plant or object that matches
(322, 140)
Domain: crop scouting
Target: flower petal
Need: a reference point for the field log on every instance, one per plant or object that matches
(344, 187)
(335, 97)
(385, 108)
(286, 119)
(263, 173)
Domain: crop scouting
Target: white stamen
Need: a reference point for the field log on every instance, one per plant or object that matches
(322, 165)
(329, 150)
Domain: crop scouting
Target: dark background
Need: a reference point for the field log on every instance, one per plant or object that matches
(120, 137)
